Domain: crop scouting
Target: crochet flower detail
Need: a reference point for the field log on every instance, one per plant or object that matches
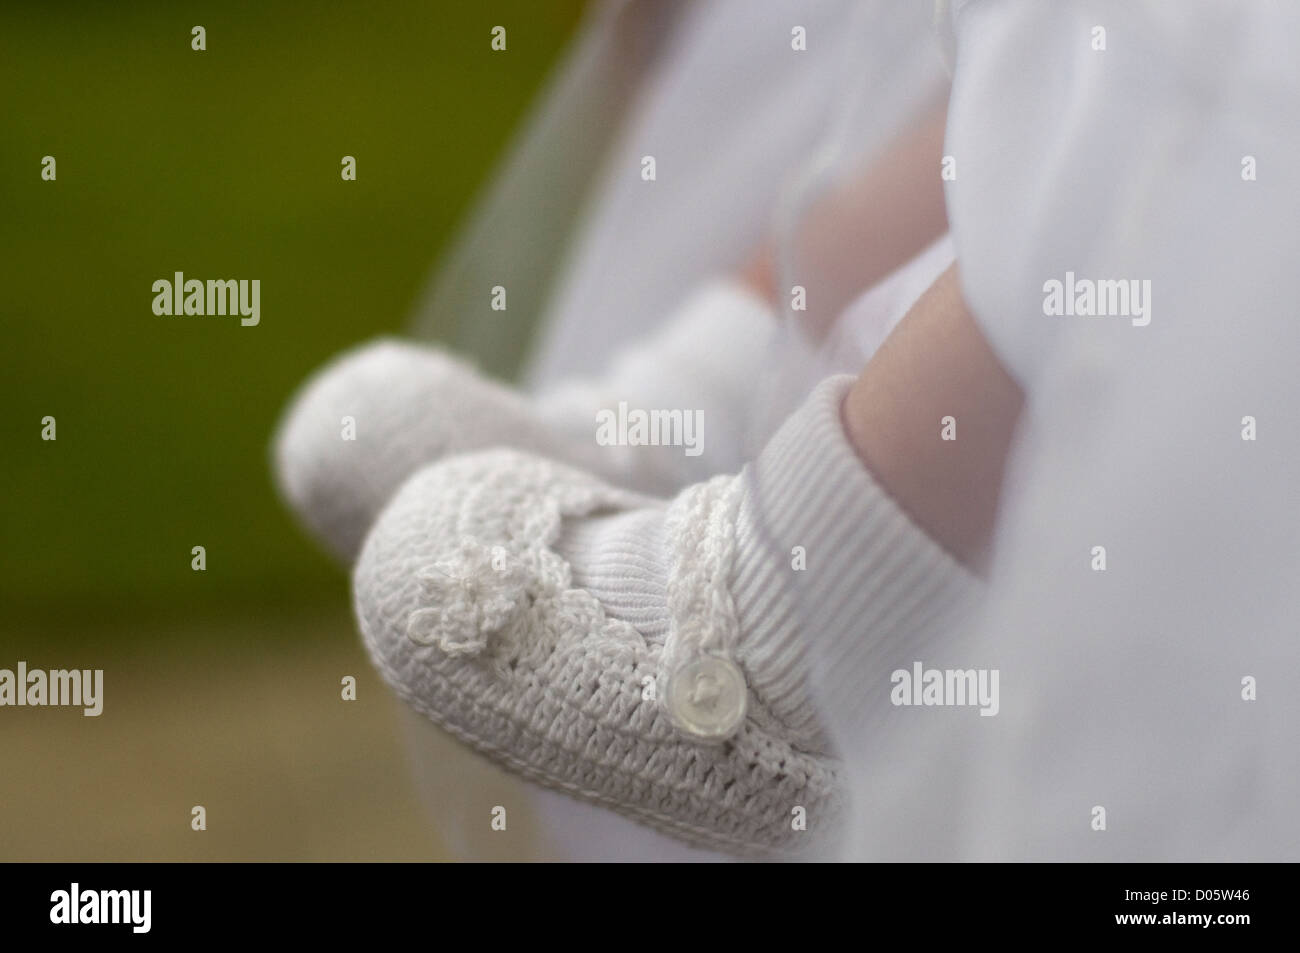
(470, 597)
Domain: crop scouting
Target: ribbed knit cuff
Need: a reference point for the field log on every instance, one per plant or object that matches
(831, 577)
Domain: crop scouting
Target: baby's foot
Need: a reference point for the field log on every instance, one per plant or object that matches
(641, 655)
(372, 417)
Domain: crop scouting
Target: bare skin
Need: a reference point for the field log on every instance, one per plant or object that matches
(937, 364)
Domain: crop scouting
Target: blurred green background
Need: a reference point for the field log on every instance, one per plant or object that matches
(222, 164)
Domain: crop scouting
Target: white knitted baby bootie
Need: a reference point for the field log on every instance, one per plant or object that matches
(366, 421)
(702, 727)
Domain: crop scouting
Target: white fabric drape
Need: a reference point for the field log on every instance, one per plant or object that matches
(1121, 689)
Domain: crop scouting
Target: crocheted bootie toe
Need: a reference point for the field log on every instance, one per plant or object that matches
(369, 419)
(471, 614)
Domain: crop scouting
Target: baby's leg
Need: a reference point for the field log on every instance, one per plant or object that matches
(934, 366)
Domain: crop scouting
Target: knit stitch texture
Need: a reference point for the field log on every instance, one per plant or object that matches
(469, 613)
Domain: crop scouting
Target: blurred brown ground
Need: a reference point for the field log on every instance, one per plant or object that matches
(286, 769)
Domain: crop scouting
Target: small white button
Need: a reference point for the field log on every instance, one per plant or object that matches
(706, 698)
